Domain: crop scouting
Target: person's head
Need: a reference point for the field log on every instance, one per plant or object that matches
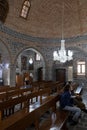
(67, 87)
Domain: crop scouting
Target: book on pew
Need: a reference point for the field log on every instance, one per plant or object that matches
(78, 90)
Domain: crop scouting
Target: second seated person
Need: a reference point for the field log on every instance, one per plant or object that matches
(66, 103)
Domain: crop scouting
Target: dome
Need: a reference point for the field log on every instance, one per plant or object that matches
(45, 18)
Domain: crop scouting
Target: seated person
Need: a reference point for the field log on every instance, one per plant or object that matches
(78, 100)
(66, 103)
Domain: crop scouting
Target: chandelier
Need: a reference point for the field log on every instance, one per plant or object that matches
(31, 61)
(63, 55)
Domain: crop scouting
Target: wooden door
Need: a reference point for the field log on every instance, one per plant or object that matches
(19, 80)
(61, 75)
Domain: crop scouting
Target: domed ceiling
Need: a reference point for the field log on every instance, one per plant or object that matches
(45, 18)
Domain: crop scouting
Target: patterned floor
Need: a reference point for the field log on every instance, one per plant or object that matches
(82, 125)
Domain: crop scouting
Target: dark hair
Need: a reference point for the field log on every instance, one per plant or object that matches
(67, 87)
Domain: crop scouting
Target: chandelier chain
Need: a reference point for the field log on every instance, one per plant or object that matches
(62, 20)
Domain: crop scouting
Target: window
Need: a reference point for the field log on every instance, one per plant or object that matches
(38, 58)
(81, 68)
(25, 8)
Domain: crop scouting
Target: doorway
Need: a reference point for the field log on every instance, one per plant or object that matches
(40, 74)
(61, 75)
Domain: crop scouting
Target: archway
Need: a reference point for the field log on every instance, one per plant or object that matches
(29, 62)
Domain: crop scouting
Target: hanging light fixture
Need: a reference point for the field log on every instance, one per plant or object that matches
(30, 61)
(62, 55)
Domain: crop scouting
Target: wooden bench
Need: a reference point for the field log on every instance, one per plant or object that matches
(61, 116)
(23, 100)
(13, 92)
(3, 96)
(23, 118)
(57, 121)
(38, 95)
(7, 88)
(19, 120)
(9, 105)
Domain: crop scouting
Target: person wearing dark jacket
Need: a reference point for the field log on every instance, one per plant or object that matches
(66, 103)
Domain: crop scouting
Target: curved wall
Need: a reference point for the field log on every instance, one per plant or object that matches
(45, 18)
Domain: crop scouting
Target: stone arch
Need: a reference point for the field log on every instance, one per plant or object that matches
(4, 50)
(36, 51)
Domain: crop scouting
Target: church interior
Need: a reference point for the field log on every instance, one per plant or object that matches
(42, 45)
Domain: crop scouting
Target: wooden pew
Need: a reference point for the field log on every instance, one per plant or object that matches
(8, 95)
(38, 95)
(57, 87)
(35, 85)
(14, 92)
(6, 92)
(23, 118)
(7, 88)
(19, 120)
(3, 96)
(23, 100)
(57, 121)
(10, 104)
(26, 91)
(4, 88)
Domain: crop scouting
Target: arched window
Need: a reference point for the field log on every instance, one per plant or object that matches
(81, 67)
(37, 57)
(25, 9)
(4, 8)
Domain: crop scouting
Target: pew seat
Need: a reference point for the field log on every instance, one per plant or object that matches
(57, 121)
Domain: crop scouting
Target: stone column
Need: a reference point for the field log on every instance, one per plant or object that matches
(49, 72)
(6, 75)
(12, 75)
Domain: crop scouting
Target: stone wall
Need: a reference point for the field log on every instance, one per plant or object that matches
(13, 44)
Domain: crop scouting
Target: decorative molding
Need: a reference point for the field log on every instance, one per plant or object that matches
(14, 46)
(22, 36)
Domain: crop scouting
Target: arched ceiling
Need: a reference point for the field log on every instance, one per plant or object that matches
(45, 18)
